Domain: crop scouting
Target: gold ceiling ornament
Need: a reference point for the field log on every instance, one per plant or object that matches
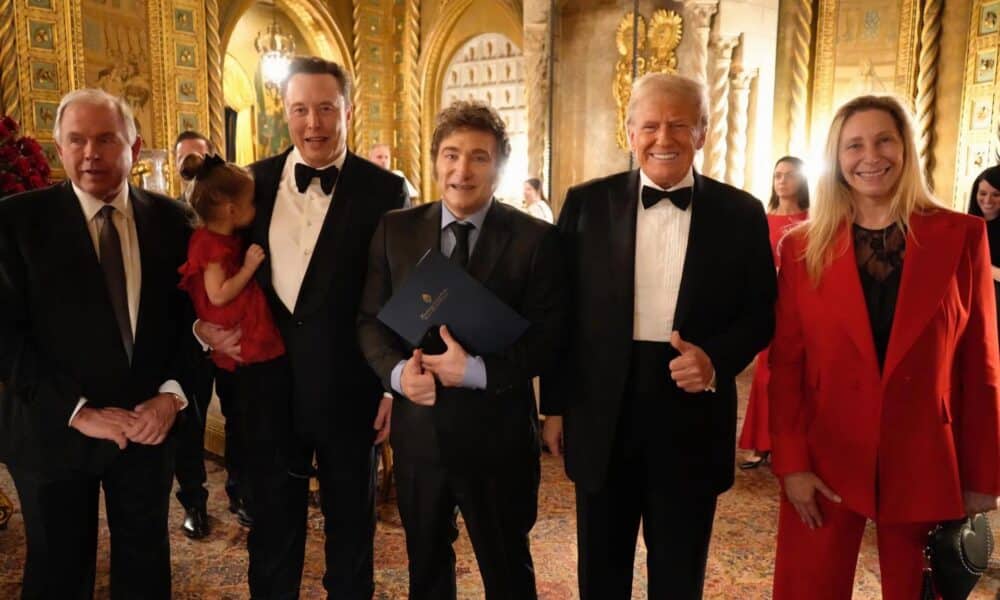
(656, 52)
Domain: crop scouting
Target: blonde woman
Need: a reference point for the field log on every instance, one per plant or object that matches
(884, 367)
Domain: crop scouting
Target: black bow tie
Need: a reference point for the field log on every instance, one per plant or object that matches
(304, 175)
(681, 197)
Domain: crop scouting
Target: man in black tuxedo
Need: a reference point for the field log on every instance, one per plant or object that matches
(674, 287)
(94, 340)
(189, 464)
(465, 428)
(317, 208)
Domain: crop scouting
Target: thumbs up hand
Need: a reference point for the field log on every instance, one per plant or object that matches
(692, 371)
(417, 384)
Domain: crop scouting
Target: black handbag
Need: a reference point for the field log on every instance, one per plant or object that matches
(957, 554)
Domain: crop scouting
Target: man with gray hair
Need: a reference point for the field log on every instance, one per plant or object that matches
(94, 340)
(674, 290)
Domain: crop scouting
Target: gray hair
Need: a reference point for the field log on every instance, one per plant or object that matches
(675, 86)
(98, 97)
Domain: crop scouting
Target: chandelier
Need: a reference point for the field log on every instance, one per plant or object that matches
(276, 49)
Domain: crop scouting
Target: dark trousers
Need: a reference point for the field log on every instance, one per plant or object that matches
(499, 511)
(277, 479)
(60, 520)
(190, 433)
(676, 522)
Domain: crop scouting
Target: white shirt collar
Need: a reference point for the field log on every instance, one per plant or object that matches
(92, 204)
(686, 181)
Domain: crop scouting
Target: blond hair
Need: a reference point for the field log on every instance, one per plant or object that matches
(671, 85)
(833, 206)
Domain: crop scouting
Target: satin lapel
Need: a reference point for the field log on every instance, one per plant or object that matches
(318, 275)
(840, 289)
(623, 204)
(267, 178)
(932, 251)
(148, 235)
(694, 254)
(492, 242)
(425, 236)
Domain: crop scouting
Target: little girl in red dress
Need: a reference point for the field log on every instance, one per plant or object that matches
(219, 271)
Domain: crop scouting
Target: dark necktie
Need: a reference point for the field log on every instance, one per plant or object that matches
(110, 247)
(681, 197)
(460, 255)
(304, 175)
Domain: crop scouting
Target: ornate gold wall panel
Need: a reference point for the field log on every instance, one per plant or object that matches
(862, 46)
(979, 132)
(375, 27)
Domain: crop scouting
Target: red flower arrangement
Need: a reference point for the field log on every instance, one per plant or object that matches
(23, 165)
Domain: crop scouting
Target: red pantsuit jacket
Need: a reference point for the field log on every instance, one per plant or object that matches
(900, 445)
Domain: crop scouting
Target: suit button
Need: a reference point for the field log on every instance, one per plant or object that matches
(298, 323)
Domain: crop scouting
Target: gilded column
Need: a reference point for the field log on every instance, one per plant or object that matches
(358, 113)
(700, 13)
(718, 98)
(927, 74)
(798, 106)
(739, 103)
(9, 102)
(213, 54)
(536, 81)
(410, 151)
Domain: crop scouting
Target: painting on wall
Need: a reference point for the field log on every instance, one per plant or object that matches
(989, 17)
(982, 113)
(272, 129)
(986, 65)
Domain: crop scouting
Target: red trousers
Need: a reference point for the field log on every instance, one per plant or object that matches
(819, 564)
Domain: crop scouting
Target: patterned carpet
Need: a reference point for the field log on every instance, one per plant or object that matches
(739, 567)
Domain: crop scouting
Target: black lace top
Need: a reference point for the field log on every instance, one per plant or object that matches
(879, 254)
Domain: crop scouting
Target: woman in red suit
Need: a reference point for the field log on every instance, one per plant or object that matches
(788, 205)
(884, 366)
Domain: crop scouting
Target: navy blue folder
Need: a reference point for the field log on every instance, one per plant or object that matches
(438, 292)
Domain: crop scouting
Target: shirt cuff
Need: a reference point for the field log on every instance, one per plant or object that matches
(475, 373)
(79, 405)
(396, 378)
(204, 347)
(171, 386)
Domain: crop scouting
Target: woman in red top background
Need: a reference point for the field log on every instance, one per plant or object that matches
(788, 205)
(884, 366)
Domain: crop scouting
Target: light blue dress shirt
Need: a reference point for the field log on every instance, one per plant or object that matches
(475, 367)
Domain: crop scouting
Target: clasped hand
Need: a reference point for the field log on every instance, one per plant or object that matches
(421, 371)
(148, 424)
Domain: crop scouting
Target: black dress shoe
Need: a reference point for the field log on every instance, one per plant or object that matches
(240, 510)
(195, 523)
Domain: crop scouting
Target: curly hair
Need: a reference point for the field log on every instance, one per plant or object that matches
(476, 116)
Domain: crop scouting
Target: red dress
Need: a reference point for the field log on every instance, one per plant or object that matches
(261, 340)
(754, 435)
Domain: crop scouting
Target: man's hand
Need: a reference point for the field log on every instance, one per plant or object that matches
(105, 424)
(417, 384)
(976, 503)
(552, 434)
(383, 420)
(801, 488)
(692, 371)
(449, 368)
(225, 341)
(154, 418)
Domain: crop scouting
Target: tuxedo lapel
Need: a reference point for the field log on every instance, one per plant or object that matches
(623, 206)
(699, 234)
(840, 289)
(267, 179)
(492, 242)
(331, 239)
(932, 251)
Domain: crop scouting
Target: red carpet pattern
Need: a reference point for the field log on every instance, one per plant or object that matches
(740, 562)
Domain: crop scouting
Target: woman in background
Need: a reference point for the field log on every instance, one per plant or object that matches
(985, 203)
(788, 205)
(535, 202)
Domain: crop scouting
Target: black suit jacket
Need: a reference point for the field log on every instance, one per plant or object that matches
(58, 336)
(725, 306)
(334, 390)
(519, 259)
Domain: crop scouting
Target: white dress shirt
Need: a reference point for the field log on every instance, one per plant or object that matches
(661, 239)
(295, 226)
(124, 221)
